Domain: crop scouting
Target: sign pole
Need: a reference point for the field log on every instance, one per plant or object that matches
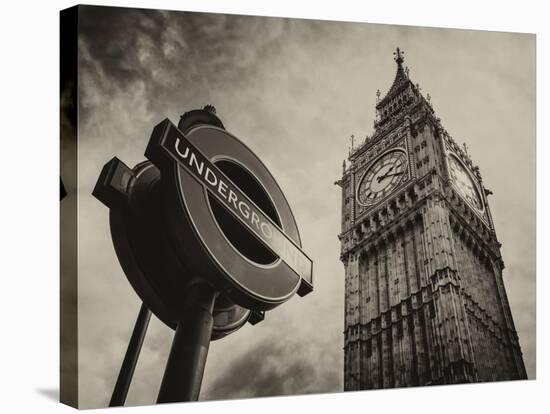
(185, 367)
(130, 359)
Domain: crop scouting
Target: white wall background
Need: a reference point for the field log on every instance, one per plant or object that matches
(29, 226)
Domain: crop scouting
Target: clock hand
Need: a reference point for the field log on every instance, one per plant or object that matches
(397, 173)
(387, 172)
(379, 179)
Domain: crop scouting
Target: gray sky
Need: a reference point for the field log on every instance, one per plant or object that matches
(293, 91)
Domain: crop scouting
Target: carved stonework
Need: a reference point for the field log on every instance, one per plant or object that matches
(425, 301)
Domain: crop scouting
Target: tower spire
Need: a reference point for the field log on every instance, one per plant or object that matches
(400, 83)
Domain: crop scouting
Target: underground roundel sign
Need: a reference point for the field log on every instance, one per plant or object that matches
(228, 217)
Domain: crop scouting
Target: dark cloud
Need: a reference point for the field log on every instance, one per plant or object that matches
(165, 49)
(268, 369)
(114, 38)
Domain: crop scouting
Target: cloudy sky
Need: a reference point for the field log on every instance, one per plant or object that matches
(293, 91)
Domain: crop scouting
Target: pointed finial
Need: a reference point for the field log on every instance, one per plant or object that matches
(418, 87)
(399, 56)
(428, 98)
(352, 141)
(465, 148)
(378, 95)
(407, 71)
(344, 166)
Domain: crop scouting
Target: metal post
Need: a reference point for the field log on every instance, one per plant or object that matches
(185, 367)
(130, 359)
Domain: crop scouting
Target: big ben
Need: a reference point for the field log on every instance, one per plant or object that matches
(425, 301)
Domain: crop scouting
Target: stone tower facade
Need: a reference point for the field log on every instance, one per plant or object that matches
(425, 299)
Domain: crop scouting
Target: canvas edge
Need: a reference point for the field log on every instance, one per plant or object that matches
(68, 282)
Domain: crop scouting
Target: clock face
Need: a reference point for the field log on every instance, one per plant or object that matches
(464, 183)
(382, 177)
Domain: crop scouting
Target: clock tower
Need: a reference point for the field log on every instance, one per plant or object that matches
(425, 301)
